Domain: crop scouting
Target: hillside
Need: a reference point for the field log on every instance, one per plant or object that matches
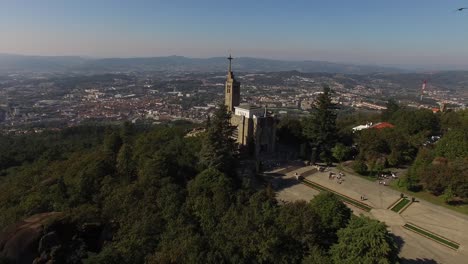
(134, 194)
(13, 63)
(22, 63)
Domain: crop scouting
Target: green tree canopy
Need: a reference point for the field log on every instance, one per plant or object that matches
(124, 164)
(209, 197)
(301, 226)
(320, 127)
(289, 131)
(392, 107)
(249, 232)
(453, 145)
(414, 122)
(140, 198)
(219, 148)
(333, 215)
(364, 241)
(341, 152)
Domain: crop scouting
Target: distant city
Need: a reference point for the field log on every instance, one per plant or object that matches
(32, 101)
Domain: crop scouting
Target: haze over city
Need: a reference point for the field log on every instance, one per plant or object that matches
(261, 131)
(407, 34)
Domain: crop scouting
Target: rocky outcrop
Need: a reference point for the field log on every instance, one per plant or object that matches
(19, 242)
(53, 238)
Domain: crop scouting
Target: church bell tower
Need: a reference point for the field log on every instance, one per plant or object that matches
(232, 89)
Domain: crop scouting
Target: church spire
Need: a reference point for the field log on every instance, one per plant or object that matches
(232, 89)
(230, 58)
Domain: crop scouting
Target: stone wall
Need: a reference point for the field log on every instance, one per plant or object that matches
(261, 131)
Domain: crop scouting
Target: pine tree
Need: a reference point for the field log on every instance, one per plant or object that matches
(125, 165)
(112, 144)
(219, 148)
(320, 127)
(392, 107)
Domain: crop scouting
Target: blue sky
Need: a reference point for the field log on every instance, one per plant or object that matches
(390, 32)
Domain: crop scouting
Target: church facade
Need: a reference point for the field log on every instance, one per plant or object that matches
(255, 127)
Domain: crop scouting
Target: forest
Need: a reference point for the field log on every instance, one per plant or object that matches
(151, 194)
(432, 147)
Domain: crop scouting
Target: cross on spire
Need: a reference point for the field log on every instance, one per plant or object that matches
(230, 58)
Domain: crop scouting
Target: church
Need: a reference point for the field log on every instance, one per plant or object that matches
(255, 127)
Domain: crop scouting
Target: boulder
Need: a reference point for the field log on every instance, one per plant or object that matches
(440, 161)
(48, 241)
(20, 242)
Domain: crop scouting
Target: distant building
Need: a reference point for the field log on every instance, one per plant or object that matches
(379, 125)
(195, 132)
(362, 127)
(254, 126)
(306, 104)
(370, 106)
(382, 125)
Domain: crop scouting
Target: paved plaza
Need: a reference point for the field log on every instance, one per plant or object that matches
(414, 247)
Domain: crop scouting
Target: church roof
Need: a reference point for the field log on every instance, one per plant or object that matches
(247, 107)
(382, 125)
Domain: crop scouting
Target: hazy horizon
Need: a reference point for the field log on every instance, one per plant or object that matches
(416, 34)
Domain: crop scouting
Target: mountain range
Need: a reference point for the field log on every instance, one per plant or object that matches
(61, 64)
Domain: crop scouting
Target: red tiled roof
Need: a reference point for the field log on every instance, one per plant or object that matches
(382, 125)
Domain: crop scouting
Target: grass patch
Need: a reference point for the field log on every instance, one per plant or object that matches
(402, 203)
(393, 204)
(429, 198)
(342, 197)
(432, 236)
